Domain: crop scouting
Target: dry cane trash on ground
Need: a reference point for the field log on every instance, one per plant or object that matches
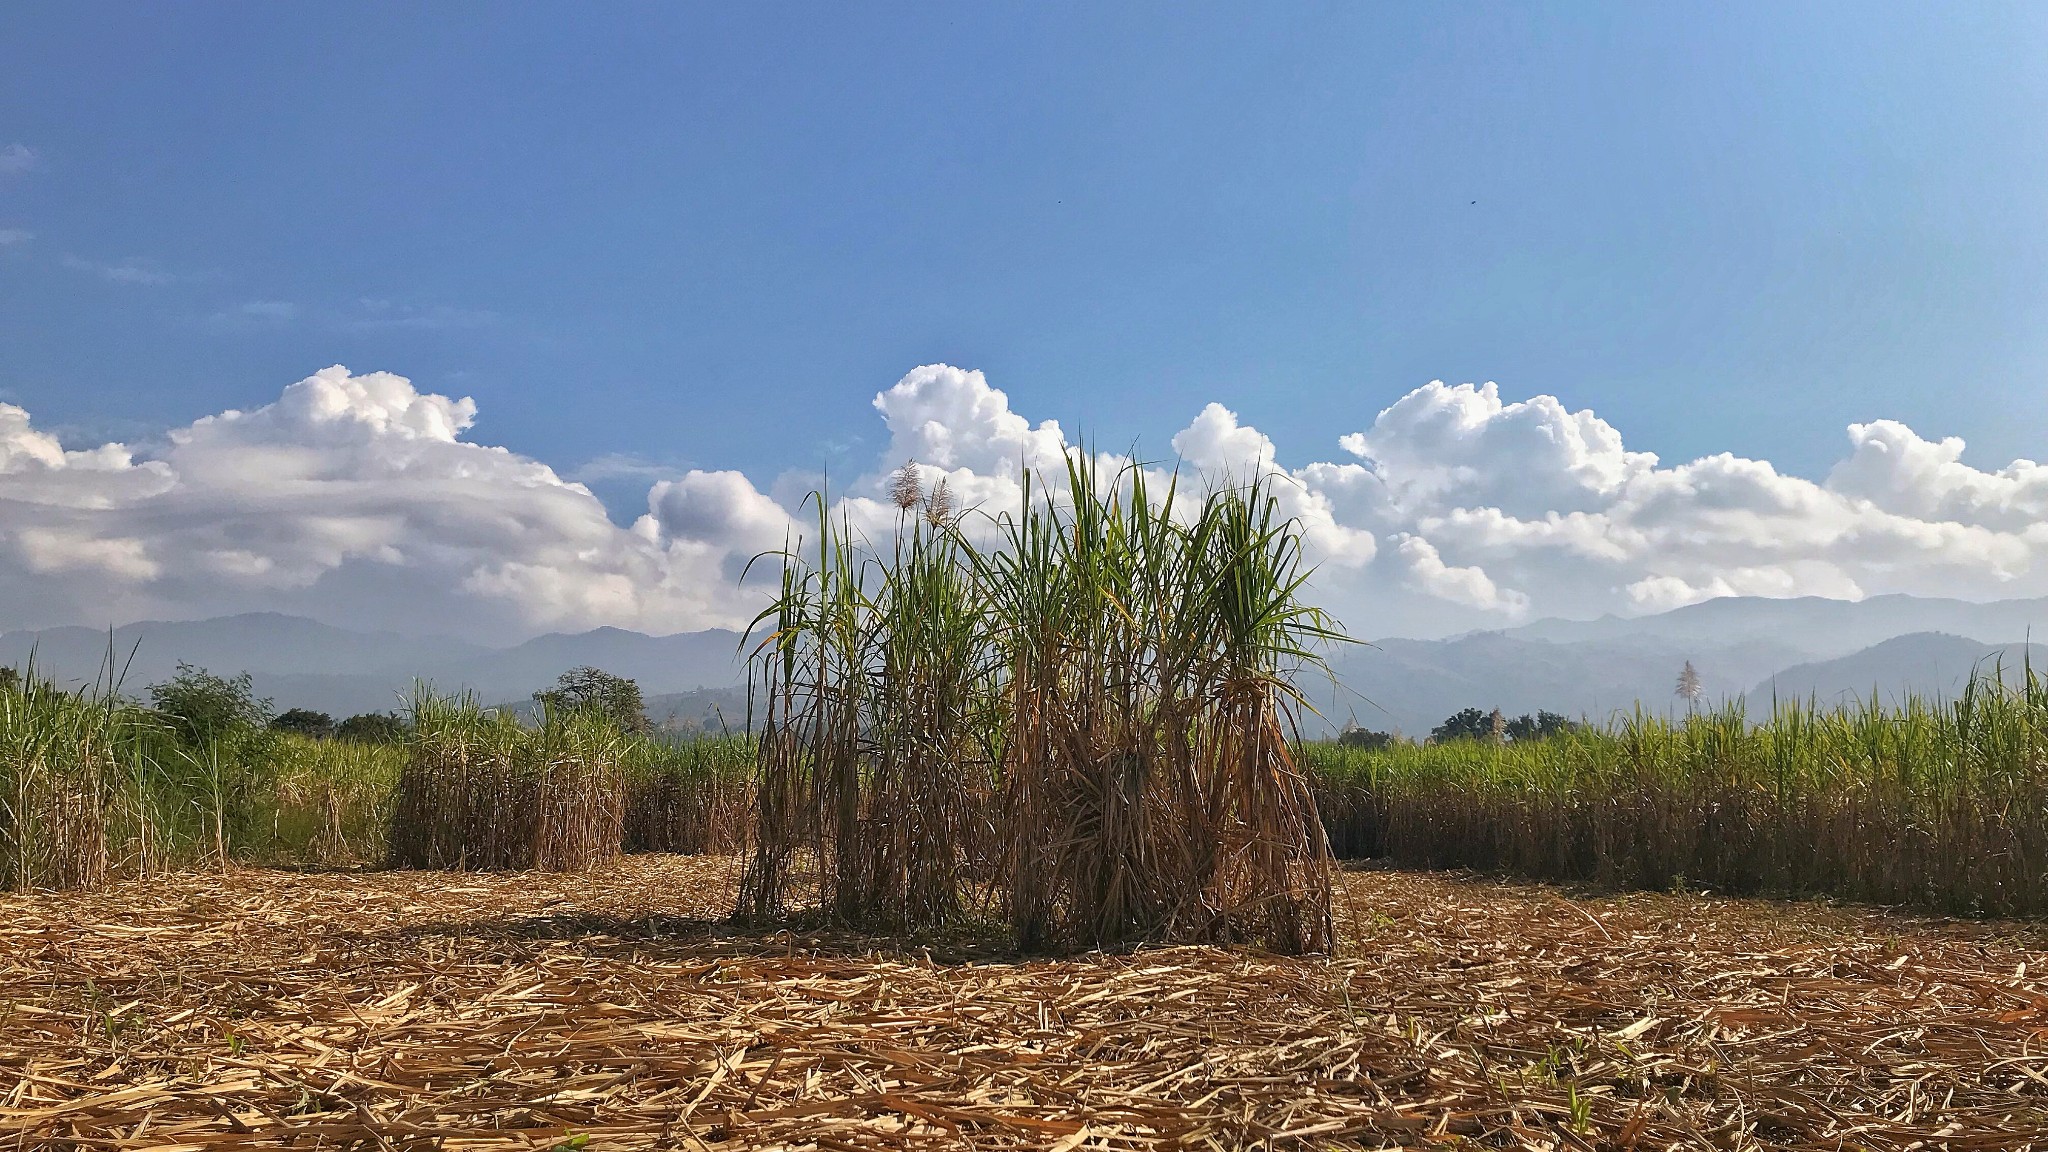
(610, 1009)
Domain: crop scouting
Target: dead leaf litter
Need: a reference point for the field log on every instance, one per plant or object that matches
(615, 1009)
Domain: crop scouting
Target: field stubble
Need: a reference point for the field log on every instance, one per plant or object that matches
(615, 1009)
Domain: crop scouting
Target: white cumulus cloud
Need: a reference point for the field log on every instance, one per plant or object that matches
(352, 498)
(358, 498)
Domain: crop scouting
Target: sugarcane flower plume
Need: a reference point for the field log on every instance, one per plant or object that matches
(905, 488)
(938, 507)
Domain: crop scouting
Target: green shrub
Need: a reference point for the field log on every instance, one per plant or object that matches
(304, 722)
(374, 728)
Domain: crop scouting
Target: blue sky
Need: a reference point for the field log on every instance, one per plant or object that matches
(660, 243)
(702, 236)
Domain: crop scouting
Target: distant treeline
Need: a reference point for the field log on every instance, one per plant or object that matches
(1470, 724)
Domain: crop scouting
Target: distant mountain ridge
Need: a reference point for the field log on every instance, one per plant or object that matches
(1742, 647)
(1801, 648)
(1411, 685)
(1928, 664)
(1825, 627)
(304, 663)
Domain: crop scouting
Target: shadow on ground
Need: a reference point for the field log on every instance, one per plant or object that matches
(687, 937)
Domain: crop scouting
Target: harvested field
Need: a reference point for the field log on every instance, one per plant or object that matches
(262, 1009)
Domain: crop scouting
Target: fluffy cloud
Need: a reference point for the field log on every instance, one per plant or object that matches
(350, 497)
(1440, 448)
(357, 498)
(1425, 571)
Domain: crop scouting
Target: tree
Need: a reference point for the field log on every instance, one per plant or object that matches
(1541, 726)
(305, 722)
(1689, 688)
(203, 709)
(1466, 724)
(225, 748)
(372, 728)
(1356, 737)
(594, 689)
(10, 678)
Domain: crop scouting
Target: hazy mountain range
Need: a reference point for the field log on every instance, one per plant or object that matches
(302, 663)
(1746, 647)
(1755, 648)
